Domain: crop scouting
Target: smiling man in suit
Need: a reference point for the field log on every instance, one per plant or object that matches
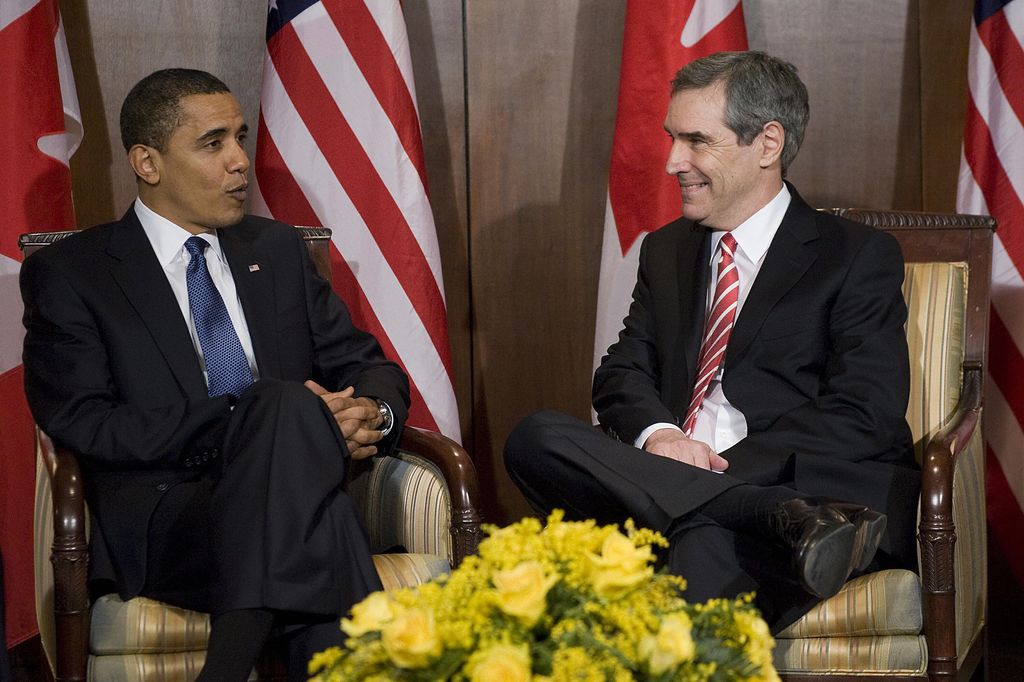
(214, 388)
(756, 395)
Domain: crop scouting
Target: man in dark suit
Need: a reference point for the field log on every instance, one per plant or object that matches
(214, 388)
(756, 395)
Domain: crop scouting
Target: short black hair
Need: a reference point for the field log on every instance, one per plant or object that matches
(152, 109)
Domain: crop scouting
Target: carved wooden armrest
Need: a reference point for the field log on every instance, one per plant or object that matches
(70, 559)
(460, 476)
(937, 532)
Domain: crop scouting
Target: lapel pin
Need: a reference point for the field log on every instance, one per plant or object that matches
(254, 267)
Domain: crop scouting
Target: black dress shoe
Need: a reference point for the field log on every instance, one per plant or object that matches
(870, 527)
(822, 541)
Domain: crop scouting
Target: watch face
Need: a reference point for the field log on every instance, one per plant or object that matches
(385, 415)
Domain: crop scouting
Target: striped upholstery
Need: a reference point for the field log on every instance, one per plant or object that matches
(971, 556)
(936, 295)
(874, 624)
(408, 570)
(144, 626)
(404, 500)
(883, 603)
(167, 667)
(868, 656)
(405, 503)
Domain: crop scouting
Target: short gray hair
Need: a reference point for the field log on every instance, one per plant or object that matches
(758, 88)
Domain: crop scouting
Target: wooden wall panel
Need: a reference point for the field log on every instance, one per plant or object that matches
(860, 62)
(945, 27)
(114, 43)
(542, 81)
(436, 42)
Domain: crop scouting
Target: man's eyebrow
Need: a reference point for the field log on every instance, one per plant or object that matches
(696, 136)
(220, 132)
(211, 134)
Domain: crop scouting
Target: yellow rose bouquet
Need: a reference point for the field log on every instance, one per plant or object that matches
(569, 601)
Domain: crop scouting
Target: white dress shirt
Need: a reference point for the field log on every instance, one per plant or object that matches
(168, 241)
(718, 423)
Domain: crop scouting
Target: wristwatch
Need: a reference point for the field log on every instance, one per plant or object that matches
(388, 419)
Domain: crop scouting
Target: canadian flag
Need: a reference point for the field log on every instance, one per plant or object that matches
(40, 128)
(659, 39)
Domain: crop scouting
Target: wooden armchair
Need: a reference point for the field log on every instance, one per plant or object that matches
(424, 499)
(895, 624)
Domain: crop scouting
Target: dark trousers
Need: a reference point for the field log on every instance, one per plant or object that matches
(268, 525)
(561, 462)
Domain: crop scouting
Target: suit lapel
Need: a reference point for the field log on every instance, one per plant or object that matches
(141, 277)
(788, 258)
(693, 269)
(255, 286)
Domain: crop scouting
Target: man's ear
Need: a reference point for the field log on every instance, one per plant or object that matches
(145, 162)
(773, 137)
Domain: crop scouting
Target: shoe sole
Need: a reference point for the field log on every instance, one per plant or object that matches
(825, 564)
(870, 528)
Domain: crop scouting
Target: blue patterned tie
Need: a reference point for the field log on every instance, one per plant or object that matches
(227, 369)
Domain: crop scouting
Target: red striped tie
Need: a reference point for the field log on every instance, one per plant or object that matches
(716, 331)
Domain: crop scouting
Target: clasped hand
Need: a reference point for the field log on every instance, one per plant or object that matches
(674, 445)
(358, 418)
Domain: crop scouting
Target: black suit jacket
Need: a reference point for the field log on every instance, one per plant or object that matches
(111, 372)
(817, 361)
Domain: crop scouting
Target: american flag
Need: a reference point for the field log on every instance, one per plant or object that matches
(339, 146)
(992, 182)
(659, 38)
(40, 128)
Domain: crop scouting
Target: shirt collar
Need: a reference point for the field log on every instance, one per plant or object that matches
(754, 235)
(168, 239)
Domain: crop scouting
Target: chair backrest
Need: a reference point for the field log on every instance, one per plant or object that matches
(317, 240)
(947, 287)
(948, 269)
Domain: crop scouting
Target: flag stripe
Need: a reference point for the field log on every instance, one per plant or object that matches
(1005, 365)
(996, 36)
(371, 125)
(992, 181)
(286, 197)
(378, 285)
(995, 185)
(339, 145)
(376, 61)
(419, 407)
(349, 163)
(1004, 517)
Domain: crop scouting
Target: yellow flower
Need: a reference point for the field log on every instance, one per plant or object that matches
(522, 591)
(324, 659)
(411, 640)
(759, 643)
(672, 645)
(500, 663)
(369, 615)
(620, 567)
